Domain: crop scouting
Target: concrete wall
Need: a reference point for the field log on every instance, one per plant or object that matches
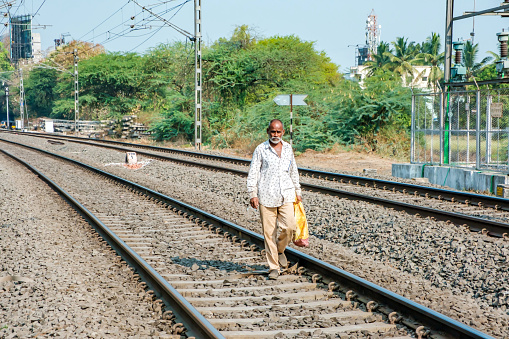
(458, 178)
(407, 171)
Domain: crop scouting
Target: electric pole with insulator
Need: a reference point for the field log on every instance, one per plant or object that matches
(196, 38)
(22, 100)
(7, 104)
(76, 94)
(198, 75)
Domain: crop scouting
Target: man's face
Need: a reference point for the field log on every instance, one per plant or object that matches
(275, 132)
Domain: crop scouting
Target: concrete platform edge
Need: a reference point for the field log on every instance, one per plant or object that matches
(457, 178)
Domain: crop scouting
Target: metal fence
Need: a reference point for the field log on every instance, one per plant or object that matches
(461, 128)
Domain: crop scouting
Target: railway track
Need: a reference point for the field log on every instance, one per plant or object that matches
(481, 213)
(425, 191)
(216, 265)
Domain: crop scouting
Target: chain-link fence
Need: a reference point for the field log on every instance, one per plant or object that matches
(462, 128)
(426, 128)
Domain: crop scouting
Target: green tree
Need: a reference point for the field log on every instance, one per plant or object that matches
(403, 58)
(470, 54)
(240, 75)
(430, 55)
(361, 114)
(39, 89)
(381, 59)
(115, 80)
(167, 68)
(175, 122)
(5, 63)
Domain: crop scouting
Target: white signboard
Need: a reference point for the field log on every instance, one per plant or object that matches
(496, 109)
(284, 100)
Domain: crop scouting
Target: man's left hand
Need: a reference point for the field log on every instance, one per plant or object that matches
(299, 198)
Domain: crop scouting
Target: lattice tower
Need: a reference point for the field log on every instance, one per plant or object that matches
(372, 34)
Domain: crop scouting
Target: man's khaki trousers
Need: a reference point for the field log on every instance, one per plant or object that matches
(273, 244)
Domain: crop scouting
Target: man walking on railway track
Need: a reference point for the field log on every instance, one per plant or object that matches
(273, 186)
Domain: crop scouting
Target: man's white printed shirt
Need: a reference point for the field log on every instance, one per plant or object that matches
(273, 179)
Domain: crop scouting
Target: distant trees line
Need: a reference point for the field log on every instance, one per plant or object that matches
(401, 56)
(241, 76)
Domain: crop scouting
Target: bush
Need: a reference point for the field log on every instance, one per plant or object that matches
(172, 125)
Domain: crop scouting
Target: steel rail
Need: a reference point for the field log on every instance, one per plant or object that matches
(493, 228)
(432, 192)
(390, 300)
(195, 323)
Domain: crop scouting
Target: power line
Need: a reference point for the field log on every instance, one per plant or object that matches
(39, 8)
(181, 5)
(118, 10)
(128, 30)
(109, 31)
(175, 27)
(146, 39)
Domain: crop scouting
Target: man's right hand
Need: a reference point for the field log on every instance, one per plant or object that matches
(254, 203)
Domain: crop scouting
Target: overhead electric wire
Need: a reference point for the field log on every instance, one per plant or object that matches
(112, 35)
(181, 5)
(8, 16)
(125, 21)
(121, 33)
(103, 21)
(146, 40)
(160, 3)
(39, 8)
(126, 31)
(175, 27)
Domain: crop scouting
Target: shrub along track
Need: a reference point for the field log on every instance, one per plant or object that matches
(434, 263)
(228, 287)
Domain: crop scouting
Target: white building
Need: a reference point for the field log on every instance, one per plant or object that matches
(36, 47)
(420, 80)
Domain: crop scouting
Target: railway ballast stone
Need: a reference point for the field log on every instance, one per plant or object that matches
(56, 278)
(415, 257)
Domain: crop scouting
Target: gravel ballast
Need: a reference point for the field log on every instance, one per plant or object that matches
(56, 278)
(461, 274)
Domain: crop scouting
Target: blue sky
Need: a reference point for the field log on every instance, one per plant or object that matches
(332, 24)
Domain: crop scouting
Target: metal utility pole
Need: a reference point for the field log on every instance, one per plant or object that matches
(7, 104)
(502, 10)
(197, 75)
(22, 100)
(196, 38)
(448, 39)
(76, 94)
(447, 75)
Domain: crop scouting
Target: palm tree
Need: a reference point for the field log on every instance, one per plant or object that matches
(380, 60)
(403, 57)
(469, 56)
(432, 44)
(494, 56)
(430, 56)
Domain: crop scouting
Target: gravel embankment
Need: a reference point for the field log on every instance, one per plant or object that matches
(56, 278)
(461, 274)
(176, 252)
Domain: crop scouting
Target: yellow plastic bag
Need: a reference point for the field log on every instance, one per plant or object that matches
(301, 235)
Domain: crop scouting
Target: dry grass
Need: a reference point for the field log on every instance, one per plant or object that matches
(392, 143)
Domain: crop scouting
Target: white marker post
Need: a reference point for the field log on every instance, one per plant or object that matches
(291, 100)
(131, 158)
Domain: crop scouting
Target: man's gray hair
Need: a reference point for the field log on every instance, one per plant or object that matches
(274, 120)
